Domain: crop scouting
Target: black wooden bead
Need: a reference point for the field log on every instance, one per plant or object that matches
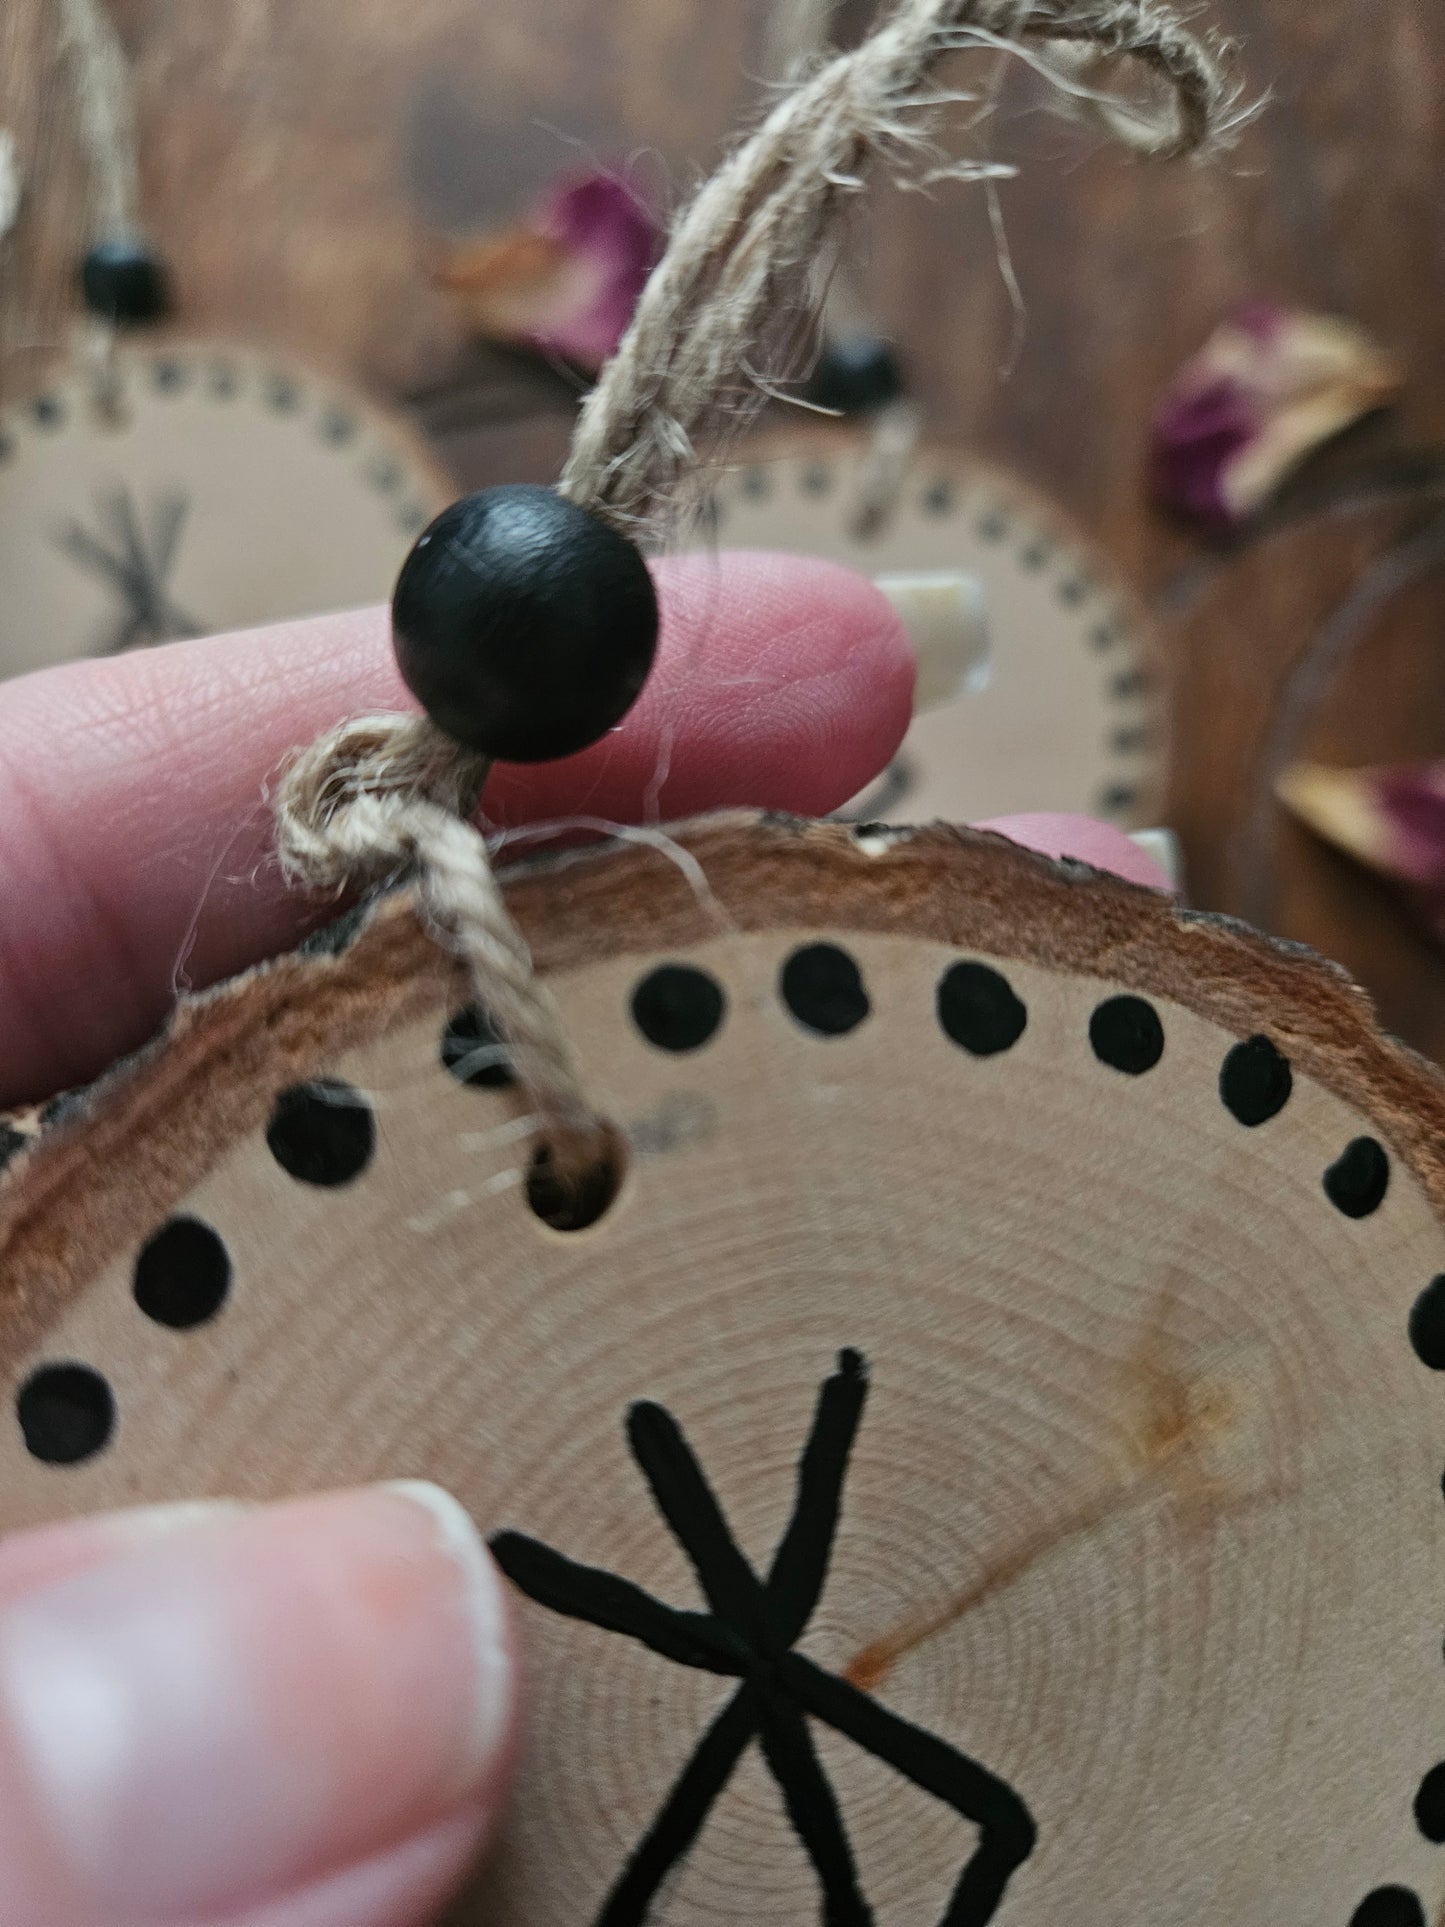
(855, 374)
(524, 626)
(123, 281)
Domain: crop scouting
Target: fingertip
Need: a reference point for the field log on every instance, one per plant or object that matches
(780, 683)
(1101, 845)
(356, 1650)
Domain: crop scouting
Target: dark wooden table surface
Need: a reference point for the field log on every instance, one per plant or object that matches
(298, 161)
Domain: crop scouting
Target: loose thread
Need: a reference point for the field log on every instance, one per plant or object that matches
(380, 796)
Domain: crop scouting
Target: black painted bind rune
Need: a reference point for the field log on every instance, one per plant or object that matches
(749, 1635)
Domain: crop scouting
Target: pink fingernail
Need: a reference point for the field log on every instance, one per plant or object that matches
(249, 1704)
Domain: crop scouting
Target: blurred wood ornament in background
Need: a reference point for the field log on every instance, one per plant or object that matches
(1134, 1219)
(1047, 696)
(183, 486)
(207, 488)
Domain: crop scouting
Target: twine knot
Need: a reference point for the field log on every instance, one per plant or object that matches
(380, 796)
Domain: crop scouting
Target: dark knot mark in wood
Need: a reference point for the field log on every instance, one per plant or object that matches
(749, 1635)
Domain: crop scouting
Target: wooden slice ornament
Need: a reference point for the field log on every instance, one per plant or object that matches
(1125, 1226)
(1050, 697)
(205, 488)
(944, 1345)
(156, 487)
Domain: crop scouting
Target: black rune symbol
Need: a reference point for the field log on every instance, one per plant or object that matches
(136, 564)
(749, 1634)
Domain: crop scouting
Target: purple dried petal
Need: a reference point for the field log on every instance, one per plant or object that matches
(567, 280)
(1198, 433)
(1267, 388)
(1412, 799)
(602, 222)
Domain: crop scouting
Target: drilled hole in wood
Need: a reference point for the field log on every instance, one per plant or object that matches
(577, 1204)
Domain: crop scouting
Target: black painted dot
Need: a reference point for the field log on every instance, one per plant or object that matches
(1127, 1034)
(337, 427)
(678, 1008)
(1116, 798)
(1131, 741)
(224, 381)
(1130, 682)
(323, 1132)
(978, 1009)
(7, 448)
(66, 1414)
(283, 394)
(1103, 636)
(1073, 591)
(412, 518)
(1427, 1325)
(823, 988)
(168, 377)
(938, 498)
(1357, 1181)
(473, 1051)
(1255, 1081)
(994, 526)
(1389, 1907)
(1034, 556)
(386, 476)
(1430, 1806)
(816, 480)
(48, 410)
(183, 1274)
(757, 484)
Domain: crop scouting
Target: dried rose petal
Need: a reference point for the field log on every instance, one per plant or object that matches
(566, 280)
(1267, 388)
(1390, 817)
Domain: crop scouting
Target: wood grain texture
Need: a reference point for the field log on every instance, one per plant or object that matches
(297, 161)
(1143, 1511)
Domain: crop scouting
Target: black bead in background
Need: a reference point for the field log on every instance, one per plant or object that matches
(183, 1274)
(66, 1414)
(323, 1132)
(1357, 1181)
(854, 375)
(823, 988)
(678, 1008)
(977, 1008)
(474, 1053)
(123, 282)
(524, 626)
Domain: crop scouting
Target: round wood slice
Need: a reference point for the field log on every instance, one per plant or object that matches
(1110, 1237)
(1070, 713)
(206, 488)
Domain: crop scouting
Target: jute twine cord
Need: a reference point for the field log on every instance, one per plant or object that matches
(107, 116)
(382, 796)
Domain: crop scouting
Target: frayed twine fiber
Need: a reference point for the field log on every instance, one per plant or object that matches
(746, 247)
(381, 796)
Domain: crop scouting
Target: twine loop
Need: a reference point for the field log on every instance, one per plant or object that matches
(381, 796)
